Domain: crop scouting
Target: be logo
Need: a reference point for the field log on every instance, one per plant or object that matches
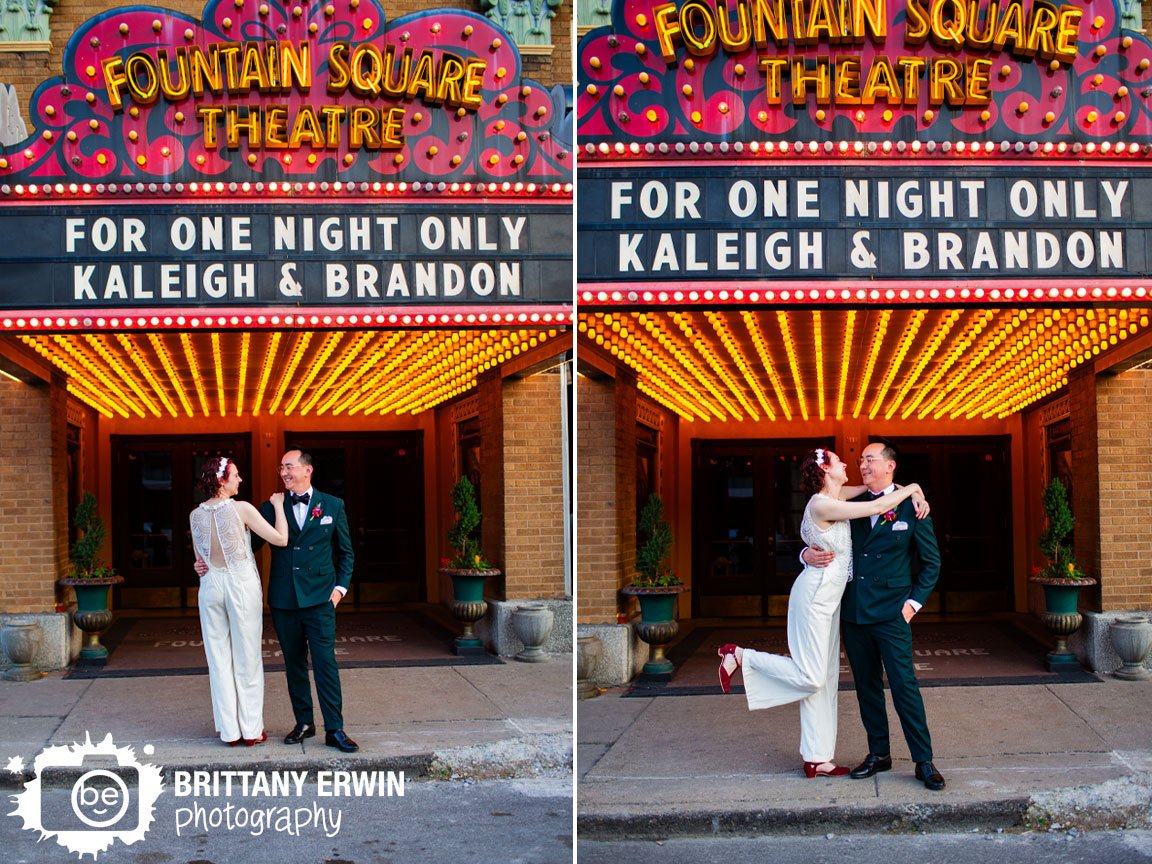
(110, 796)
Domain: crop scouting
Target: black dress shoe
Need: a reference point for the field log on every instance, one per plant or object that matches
(299, 732)
(340, 741)
(927, 772)
(872, 764)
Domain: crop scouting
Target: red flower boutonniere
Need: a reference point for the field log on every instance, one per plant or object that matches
(316, 511)
(890, 516)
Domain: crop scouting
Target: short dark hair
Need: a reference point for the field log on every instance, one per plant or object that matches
(889, 453)
(305, 457)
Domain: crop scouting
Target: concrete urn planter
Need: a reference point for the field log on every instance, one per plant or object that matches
(21, 642)
(1131, 637)
(589, 649)
(532, 624)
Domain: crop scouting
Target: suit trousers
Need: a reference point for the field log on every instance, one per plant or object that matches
(876, 649)
(232, 621)
(304, 632)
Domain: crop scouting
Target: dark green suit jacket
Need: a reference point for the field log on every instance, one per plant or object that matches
(883, 560)
(318, 556)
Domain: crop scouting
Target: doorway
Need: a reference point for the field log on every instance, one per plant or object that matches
(153, 491)
(746, 511)
(380, 476)
(968, 482)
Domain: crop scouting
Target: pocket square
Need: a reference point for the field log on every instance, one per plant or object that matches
(327, 520)
(900, 526)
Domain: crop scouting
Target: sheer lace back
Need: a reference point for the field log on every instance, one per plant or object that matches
(219, 536)
(836, 538)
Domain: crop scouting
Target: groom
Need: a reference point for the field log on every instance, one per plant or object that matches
(878, 605)
(308, 579)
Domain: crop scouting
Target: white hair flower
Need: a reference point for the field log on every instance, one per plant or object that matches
(819, 455)
(223, 467)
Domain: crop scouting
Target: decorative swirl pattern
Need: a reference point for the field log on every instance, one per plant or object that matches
(627, 92)
(520, 131)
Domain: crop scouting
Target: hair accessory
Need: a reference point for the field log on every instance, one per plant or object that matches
(223, 467)
(819, 455)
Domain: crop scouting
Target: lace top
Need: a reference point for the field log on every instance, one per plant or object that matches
(218, 534)
(836, 538)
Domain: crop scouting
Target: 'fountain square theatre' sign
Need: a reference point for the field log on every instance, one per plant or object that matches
(299, 153)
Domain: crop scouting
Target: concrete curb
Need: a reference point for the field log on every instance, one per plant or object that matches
(515, 758)
(882, 818)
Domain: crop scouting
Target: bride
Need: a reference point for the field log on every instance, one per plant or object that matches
(811, 674)
(232, 600)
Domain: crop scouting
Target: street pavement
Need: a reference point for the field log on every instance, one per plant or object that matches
(478, 761)
(1042, 756)
(972, 847)
(508, 719)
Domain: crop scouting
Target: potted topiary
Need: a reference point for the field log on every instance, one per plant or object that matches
(468, 570)
(656, 586)
(91, 579)
(1060, 578)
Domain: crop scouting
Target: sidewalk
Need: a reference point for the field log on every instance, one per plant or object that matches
(1070, 755)
(506, 720)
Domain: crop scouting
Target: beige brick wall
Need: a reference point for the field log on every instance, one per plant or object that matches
(533, 488)
(1124, 416)
(605, 495)
(32, 549)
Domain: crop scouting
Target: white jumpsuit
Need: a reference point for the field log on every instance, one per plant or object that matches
(231, 618)
(811, 674)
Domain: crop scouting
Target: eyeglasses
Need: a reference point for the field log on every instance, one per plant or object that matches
(871, 459)
(291, 467)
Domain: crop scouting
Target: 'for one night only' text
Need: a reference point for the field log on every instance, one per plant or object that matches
(824, 222)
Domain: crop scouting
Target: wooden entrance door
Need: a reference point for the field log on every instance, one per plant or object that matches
(380, 476)
(968, 482)
(153, 491)
(746, 515)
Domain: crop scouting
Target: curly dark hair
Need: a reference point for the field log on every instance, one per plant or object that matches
(209, 483)
(812, 473)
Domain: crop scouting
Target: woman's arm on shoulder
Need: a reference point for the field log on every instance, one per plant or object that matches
(847, 493)
(829, 510)
(250, 516)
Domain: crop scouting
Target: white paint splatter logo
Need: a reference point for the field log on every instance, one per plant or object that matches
(112, 796)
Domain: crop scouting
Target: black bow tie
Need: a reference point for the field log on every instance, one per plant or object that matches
(873, 494)
(300, 499)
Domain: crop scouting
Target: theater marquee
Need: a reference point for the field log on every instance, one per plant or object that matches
(713, 223)
(251, 254)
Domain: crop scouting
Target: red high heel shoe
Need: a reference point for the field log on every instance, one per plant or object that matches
(252, 742)
(812, 770)
(725, 675)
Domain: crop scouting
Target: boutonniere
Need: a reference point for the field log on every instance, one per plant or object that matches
(890, 516)
(316, 511)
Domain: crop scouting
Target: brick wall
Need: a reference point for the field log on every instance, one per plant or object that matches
(605, 494)
(1124, 415)
(30, 542)
(533, 488)
(27, 70)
